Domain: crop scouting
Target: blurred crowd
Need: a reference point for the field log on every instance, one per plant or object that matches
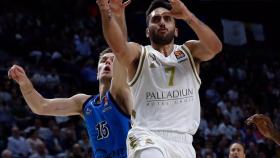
(60, 56)
(237, 84)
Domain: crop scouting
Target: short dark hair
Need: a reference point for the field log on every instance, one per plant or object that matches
(238, 142)
(157, 4)
(105, 51)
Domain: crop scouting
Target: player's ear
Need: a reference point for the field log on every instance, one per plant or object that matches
(147, 32)
(176, 32)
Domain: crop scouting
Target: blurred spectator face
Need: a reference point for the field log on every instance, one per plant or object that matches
(16, 132)
(236, 150)
(105, 67)
(77, 148)
(6, 154)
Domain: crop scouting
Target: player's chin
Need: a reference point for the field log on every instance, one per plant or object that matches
(162, 35)
(106, 76)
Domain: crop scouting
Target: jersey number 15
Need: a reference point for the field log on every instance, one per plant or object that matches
(102, 129)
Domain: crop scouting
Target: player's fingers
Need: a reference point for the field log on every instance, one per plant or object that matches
(9, 74)
(11, 69)
(115, 1)
(19, 72)
(172, 2)
(20, 69)
(255, 119)
(16, 73)
(101, 2)
(260, 118)
(260, 115)
(126, 3)
(250, 120)
(266, 119)
(12, 73)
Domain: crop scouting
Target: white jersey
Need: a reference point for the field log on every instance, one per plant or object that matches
(165, 91)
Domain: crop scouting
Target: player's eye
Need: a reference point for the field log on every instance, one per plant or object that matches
(102, 60)
(156, 19)
(167, 18)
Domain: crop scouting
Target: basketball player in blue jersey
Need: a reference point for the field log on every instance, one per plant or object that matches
(163, 78)
(107, 115)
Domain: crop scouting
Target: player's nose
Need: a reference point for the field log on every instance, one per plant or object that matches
(108, 62)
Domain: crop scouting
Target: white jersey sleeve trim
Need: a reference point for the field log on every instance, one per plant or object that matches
(139, 68)
(187, 51)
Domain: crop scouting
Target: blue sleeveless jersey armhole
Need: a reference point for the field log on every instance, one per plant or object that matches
(85, 103)
(117, 105)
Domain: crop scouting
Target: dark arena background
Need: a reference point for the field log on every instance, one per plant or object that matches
(58, 43)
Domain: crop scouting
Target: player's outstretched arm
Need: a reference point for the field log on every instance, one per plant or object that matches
(120, 89)
(126, 52)
(265, 126)
(118, 10)
(41, 105)
(208, 44)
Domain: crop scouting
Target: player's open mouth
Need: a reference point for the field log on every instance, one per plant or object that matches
(162, 30)
(107, 69)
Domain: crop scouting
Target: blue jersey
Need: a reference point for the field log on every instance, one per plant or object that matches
(107, 126)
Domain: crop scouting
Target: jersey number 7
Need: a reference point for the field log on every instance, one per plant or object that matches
(170, 70)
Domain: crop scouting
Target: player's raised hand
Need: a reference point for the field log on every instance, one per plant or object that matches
(103, 5)
(263, 123)
(18, 74)
(118, 6)
(178, 10)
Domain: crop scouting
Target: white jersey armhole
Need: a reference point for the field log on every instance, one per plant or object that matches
(187, 51)
(139, 68)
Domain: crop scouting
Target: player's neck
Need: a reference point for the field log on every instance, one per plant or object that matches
(103, 88)
(166, 50)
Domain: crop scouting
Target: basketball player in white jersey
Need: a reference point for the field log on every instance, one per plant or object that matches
(163, 78)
